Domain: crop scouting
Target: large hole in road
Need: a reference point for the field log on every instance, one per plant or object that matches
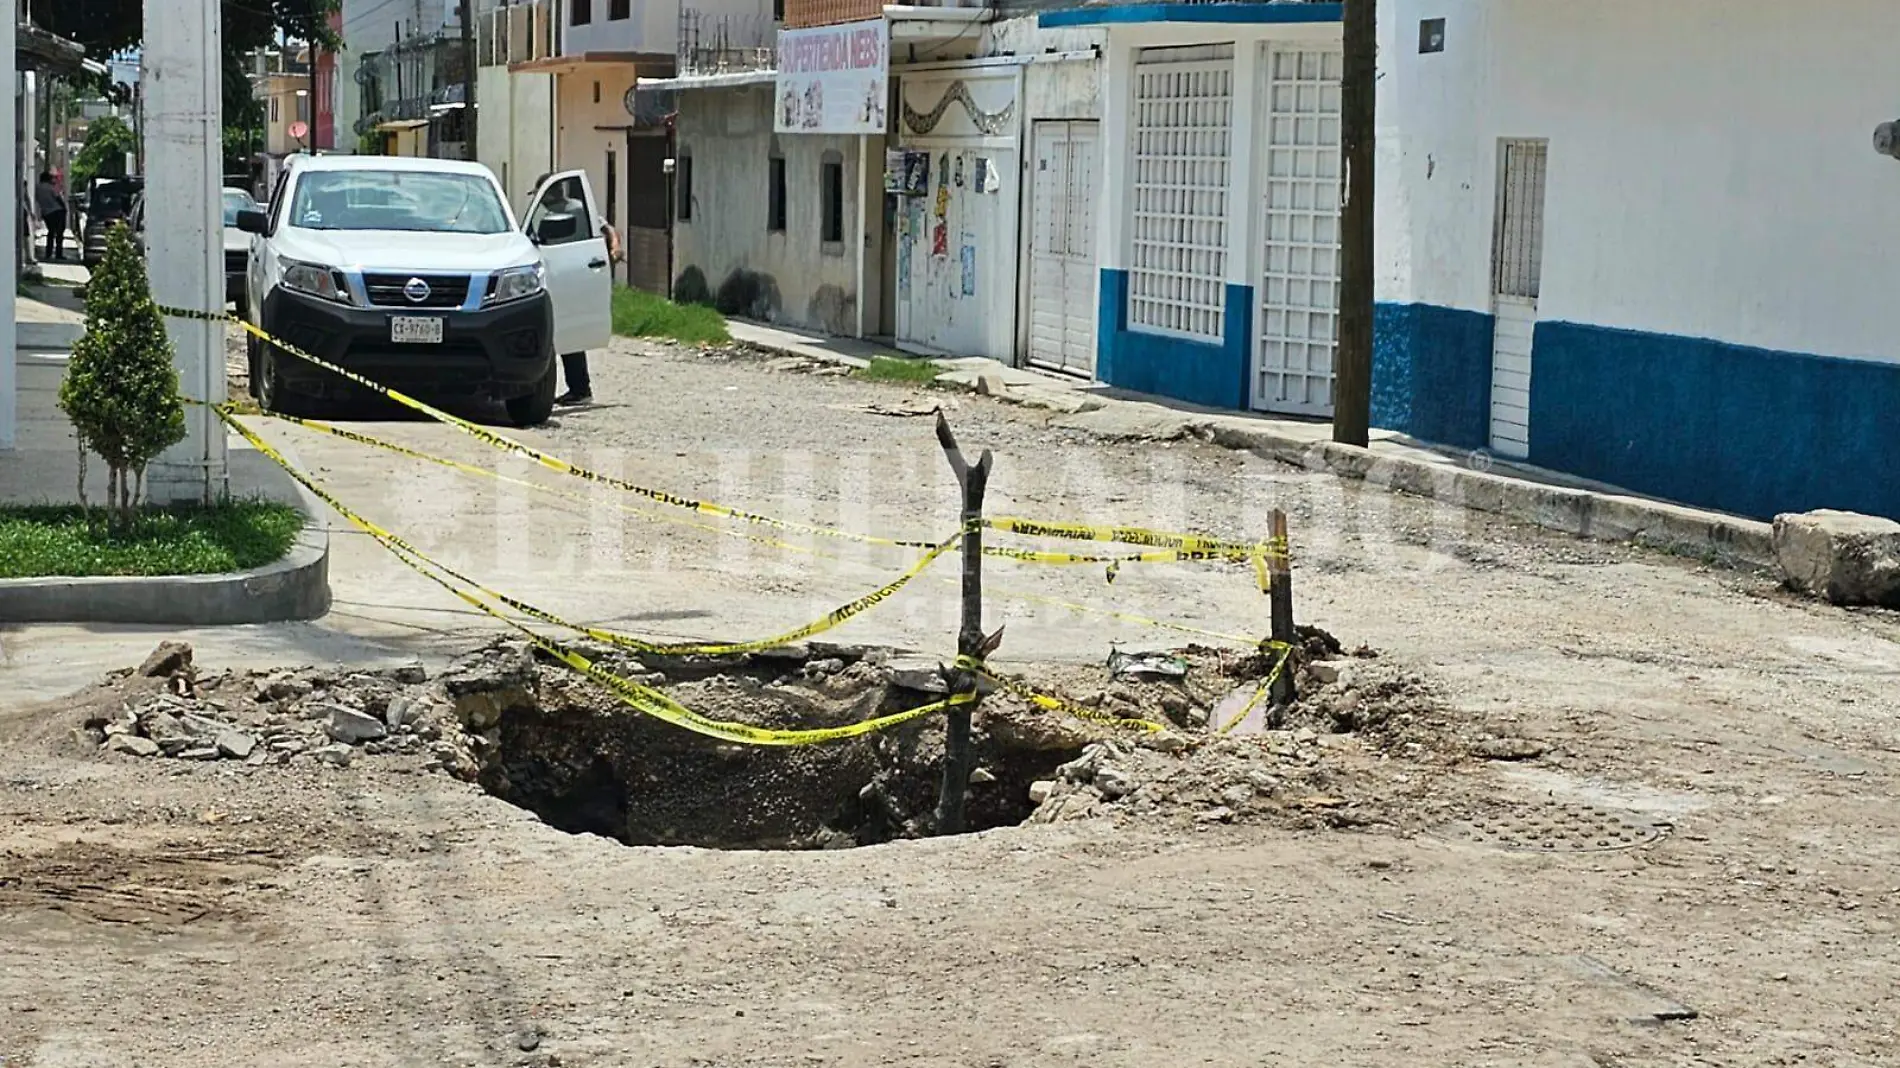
(582, 761)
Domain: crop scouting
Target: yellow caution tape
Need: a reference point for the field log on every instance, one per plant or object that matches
(1267, 684)
(547, 460)
(1052, 703)
(662, 517)
(1190, 543)
(643, 699)
(1188, 547)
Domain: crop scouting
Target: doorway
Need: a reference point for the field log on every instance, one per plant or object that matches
(1517, 256)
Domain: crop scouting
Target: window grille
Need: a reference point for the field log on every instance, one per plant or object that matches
(1177, 277)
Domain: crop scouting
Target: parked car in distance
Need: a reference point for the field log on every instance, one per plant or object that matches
(415, 274)
(237, 243)
(108, 200)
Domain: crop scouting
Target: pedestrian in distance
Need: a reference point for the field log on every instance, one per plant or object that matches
(51, 205)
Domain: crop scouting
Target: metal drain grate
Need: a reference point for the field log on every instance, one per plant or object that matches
(1553, 827)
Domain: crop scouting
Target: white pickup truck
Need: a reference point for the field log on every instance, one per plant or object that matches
(416, 274)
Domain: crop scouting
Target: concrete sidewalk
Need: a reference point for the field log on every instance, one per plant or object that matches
(1471, 479)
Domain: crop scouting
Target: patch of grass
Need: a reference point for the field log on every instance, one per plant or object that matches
(899, 369)
(55, 540)
(638, 313)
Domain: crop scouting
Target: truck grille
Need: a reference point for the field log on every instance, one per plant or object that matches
(445, 290)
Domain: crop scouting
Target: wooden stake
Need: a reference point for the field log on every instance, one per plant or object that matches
(1352, 389)
(1280, 593)
(972, 480)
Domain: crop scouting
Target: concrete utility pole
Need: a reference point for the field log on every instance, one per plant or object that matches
(1352, 392)
(9, 220)
(184, 223)
(468, 80)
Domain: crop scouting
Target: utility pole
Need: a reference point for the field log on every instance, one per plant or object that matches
(1352, 394)
(310, 72)
(468, 80)
(182, 70)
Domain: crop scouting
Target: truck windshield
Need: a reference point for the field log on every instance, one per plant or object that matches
(398, 200)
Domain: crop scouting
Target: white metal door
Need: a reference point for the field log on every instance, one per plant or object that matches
(1517, 256)
(1298, 327)
(579, 282)
(1062, 276)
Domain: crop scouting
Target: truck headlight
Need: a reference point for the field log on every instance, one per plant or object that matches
(516, 283)
(318, 281)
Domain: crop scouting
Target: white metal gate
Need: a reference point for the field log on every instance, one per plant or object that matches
(1298, 325)
(1062, 274)
(1517, 257)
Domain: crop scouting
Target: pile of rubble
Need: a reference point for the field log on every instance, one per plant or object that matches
(1358, 748)
(309, 715)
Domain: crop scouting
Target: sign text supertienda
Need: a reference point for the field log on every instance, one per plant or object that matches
(859, 47)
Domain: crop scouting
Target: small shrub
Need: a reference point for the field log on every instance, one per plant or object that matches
(121, 389)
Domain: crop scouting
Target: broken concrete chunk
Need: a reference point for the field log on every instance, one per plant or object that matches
(351, 726)
(1164, 742)
(170, 658)
(1845, 557)
(1113, 782)
(132, 744)
(339, 754)
(1327, 672)
(1040, 791)
(281, 687)
(199, 752)
(236, 744)
(411, 674)
(1510, 749)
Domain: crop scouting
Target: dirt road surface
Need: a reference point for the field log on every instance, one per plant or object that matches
(157, 912)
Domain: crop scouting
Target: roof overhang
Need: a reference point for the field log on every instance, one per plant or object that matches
(1128, 14)
(933, 27)
(733, 79)
(36, 49)
(658, 62)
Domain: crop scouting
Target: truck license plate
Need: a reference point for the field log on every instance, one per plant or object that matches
(415, 329)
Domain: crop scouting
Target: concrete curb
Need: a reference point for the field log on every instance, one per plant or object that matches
(1585, 513)
(296, 587)
(1600, 516)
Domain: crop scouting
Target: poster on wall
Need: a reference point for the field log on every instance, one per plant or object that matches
(907, 174)
(833, 79)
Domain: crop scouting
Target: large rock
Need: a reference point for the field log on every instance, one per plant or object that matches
(1844, 557)
(167, 660)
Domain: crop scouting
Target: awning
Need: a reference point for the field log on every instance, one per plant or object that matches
(723, 80)
(657, 62)
(400, 124)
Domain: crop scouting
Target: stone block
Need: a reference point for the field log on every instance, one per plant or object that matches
(1844, 557)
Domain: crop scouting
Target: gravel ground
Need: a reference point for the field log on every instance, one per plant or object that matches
(158, 913)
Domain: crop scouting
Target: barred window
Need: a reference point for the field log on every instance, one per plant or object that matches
(1177, 277)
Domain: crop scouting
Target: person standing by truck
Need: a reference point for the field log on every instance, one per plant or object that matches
(51, 206)
(567, 198)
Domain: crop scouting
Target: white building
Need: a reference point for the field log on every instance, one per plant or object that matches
(1219, 196)
(1647, 243)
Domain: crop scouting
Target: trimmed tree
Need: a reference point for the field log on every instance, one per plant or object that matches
(121, 389)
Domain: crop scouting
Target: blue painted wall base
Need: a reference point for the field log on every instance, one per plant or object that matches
(1431, 373)
(1746, 430)
(1199, 372)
